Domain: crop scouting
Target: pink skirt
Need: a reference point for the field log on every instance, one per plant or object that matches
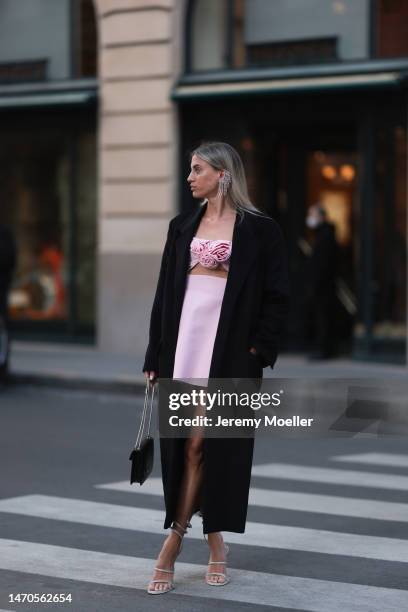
(198, 327)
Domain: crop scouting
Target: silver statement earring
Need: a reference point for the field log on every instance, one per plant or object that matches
(224, 183)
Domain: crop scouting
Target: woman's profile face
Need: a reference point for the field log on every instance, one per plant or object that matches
(203, 179)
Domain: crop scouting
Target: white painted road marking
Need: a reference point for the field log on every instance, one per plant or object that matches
(331, 476)
(256, 534)
(387, 459)
(302, 502)
(246, 586)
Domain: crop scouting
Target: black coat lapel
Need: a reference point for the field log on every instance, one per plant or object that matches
(245, 248)
(186, 232)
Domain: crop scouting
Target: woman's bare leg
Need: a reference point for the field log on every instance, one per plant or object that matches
(191, 481)
(189, 491)
(193, 472)
(217, 553)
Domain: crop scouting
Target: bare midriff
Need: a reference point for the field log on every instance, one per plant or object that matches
(199, 269)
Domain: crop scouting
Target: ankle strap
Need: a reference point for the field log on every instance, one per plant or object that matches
(182, 529)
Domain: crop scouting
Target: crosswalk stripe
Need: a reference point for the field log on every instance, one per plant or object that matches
(303, 502)
(387, 459)
(331, 476)
(256, 534)
(247, 586)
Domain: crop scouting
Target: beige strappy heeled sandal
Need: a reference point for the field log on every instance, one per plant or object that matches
(226, 578)
(176, 528)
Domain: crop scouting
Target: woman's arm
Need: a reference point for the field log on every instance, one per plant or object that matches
(151, 362)
(275, 299)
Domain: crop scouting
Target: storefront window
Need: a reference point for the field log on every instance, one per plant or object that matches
(234, 34)
(35, 202)
(208, 34)
(47, 193)
(84, 39)
(85, 228)
(391, 27)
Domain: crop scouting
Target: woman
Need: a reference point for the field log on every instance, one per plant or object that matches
(219, 311)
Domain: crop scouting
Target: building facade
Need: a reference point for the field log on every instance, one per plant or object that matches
(316, 107)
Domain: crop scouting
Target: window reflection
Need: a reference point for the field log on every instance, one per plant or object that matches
(391, 38)
(48, 199)
(233, 34)
(35, 195)
(40, 294)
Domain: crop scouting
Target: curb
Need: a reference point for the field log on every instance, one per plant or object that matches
(67, 382)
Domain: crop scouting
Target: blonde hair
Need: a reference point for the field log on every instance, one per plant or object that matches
(222, 156)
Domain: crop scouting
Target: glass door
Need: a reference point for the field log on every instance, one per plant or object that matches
(331, 183)
(308, 168)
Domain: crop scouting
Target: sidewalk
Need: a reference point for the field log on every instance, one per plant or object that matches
(79, 367)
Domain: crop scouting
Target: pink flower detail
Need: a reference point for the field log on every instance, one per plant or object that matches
(207, 260)
(210, 253)
(221, 251)
(198, 247)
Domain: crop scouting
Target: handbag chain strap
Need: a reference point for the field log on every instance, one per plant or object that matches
(143, 420)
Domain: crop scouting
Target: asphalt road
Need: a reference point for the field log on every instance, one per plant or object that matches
(327, 523)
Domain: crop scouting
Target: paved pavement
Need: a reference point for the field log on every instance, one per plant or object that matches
(87, 367)
(327, 525)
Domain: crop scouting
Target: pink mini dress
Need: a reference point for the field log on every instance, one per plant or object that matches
(201, 311)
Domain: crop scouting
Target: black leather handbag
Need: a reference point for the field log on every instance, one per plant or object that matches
(143, 452)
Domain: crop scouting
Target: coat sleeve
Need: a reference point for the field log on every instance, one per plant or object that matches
(274, 309)
(151, 362)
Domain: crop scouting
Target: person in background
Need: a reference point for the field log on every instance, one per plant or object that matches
(8, 258)
(321, 284)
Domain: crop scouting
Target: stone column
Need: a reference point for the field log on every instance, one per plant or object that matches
(137, 165)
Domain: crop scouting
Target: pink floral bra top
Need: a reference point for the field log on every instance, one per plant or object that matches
(210, 253)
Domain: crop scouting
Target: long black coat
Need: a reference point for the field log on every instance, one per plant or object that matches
(253, 313)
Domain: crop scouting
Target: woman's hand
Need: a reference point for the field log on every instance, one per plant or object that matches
(152, 376)
(253, 350)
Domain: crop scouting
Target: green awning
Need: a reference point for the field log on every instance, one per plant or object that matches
(188, 91)
(70, 99)
(76, 92)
